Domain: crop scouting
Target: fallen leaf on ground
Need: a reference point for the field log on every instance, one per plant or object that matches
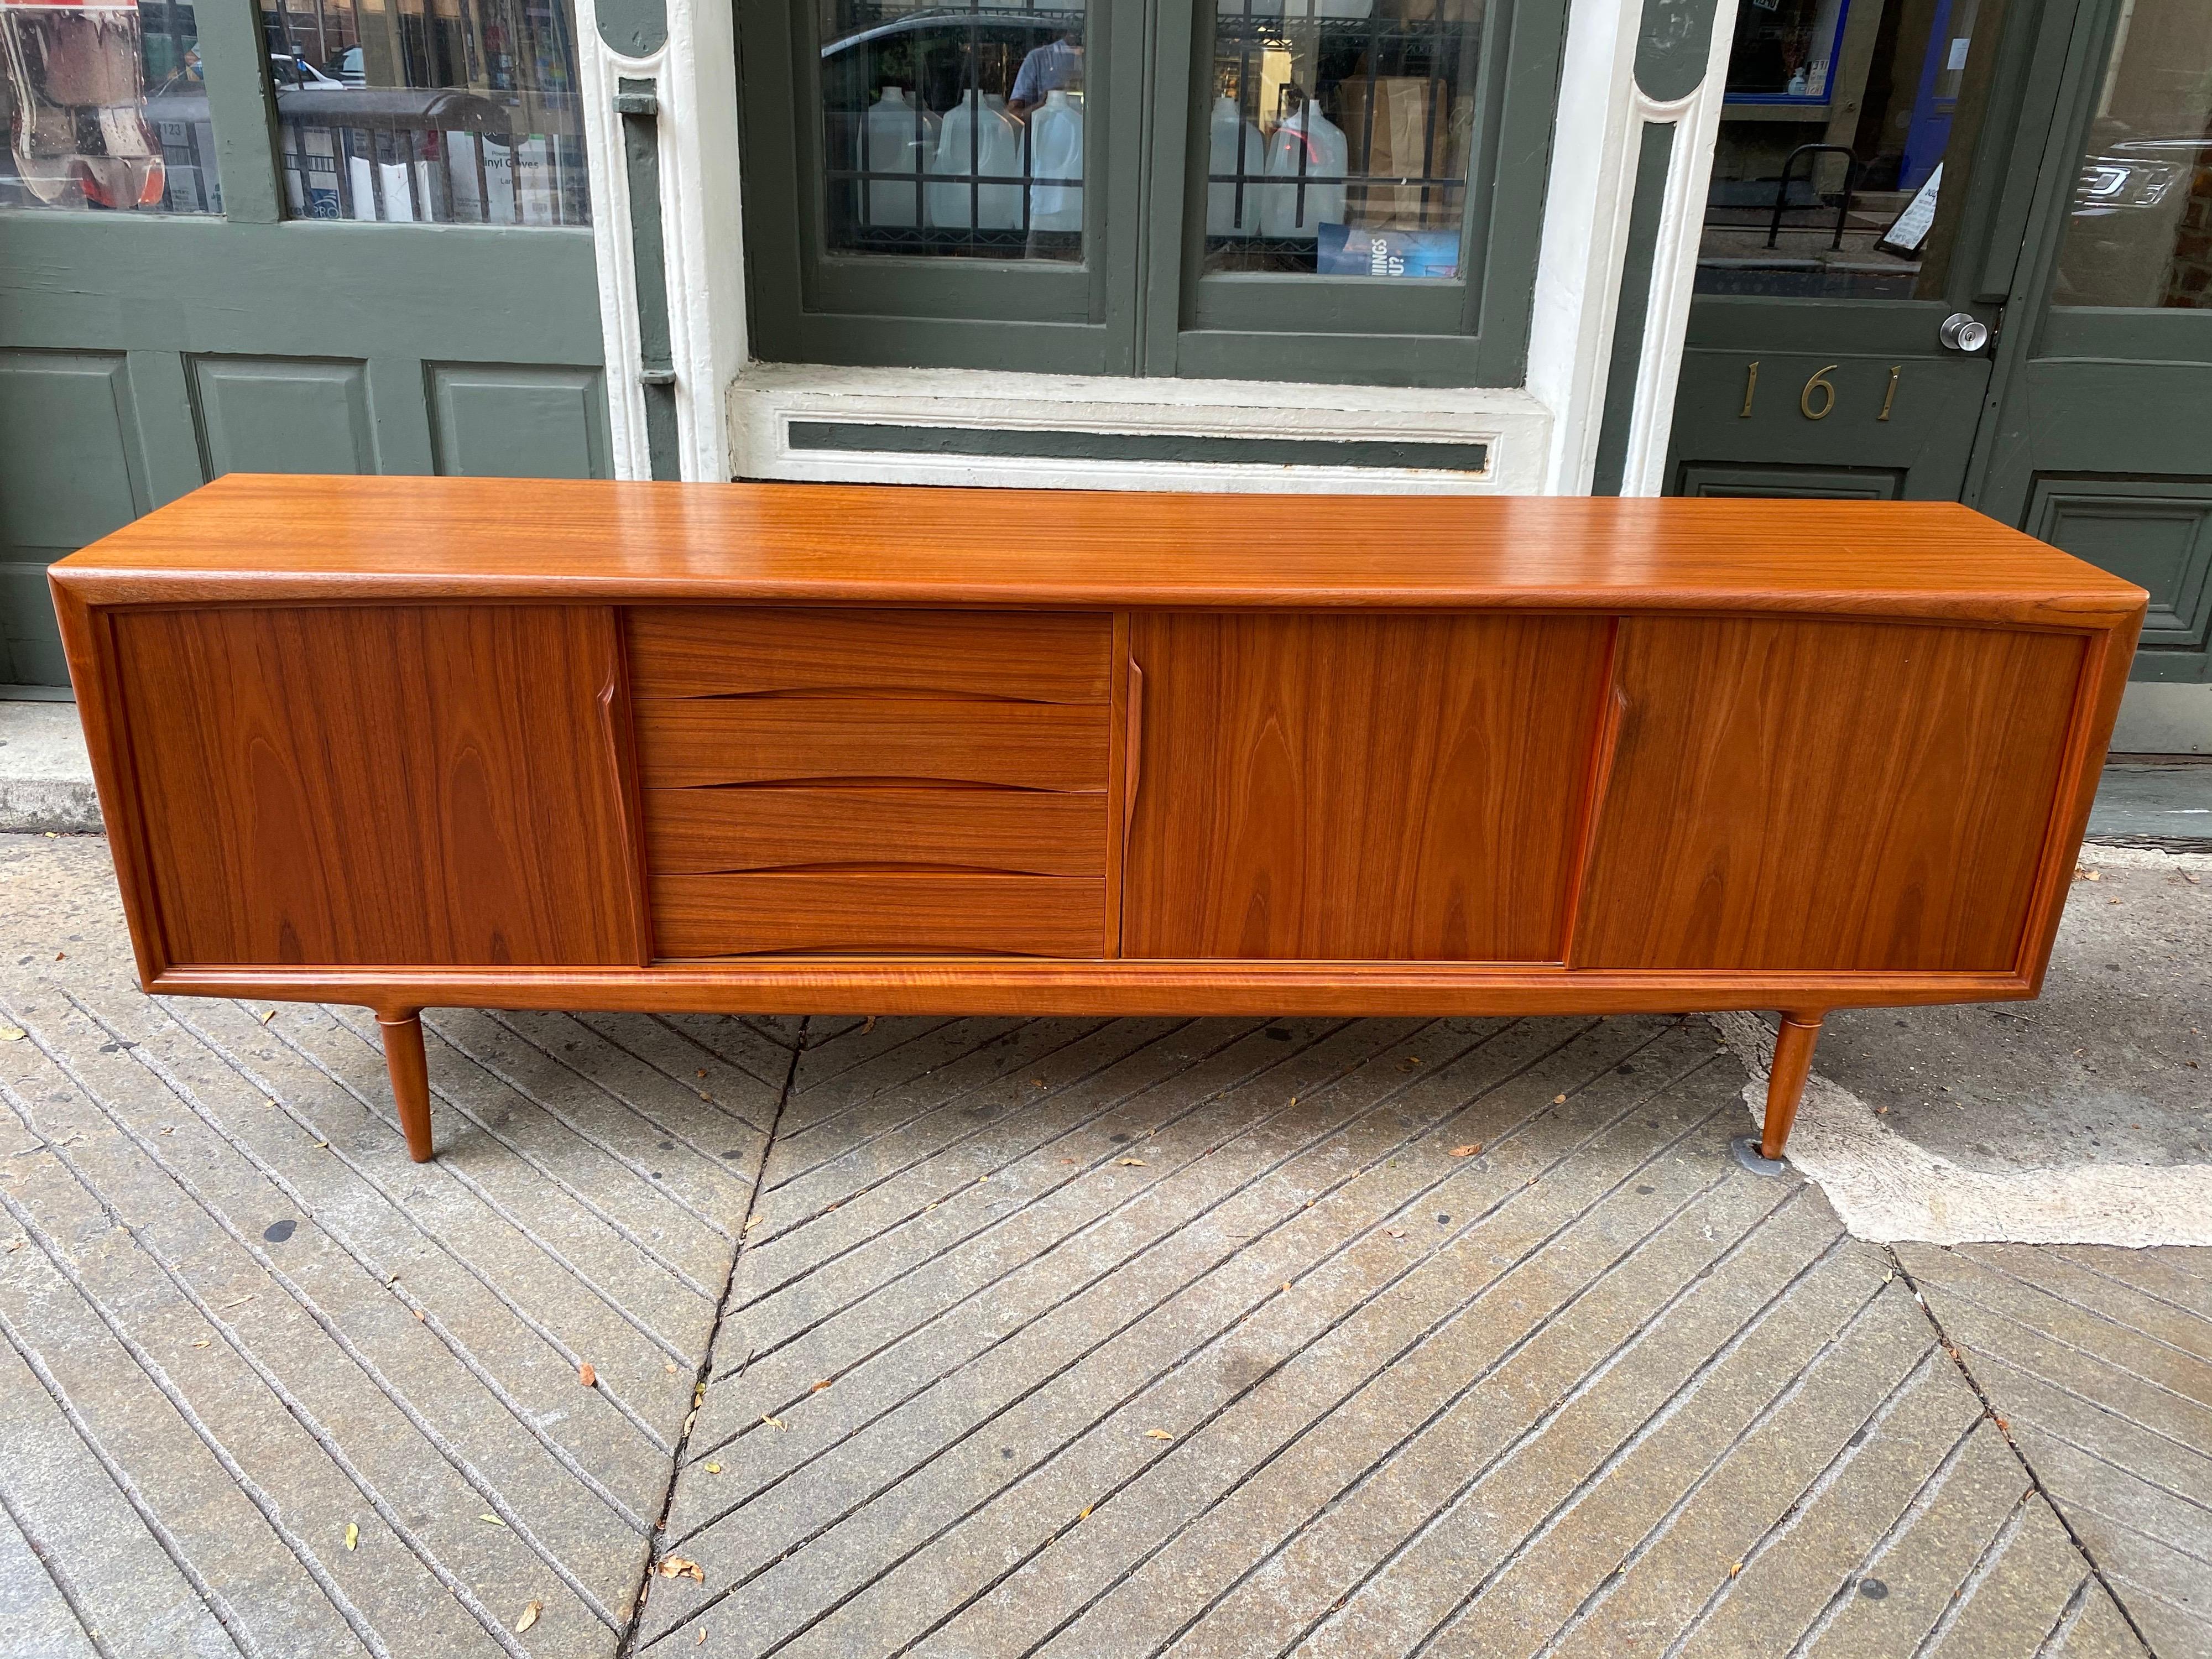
(823, 1384)
(11, 1033)
(774, 1422)
(1085, 1513)
(1157, 1434)
(587, 1375)
(353, 1535)
(1559, 1100)
(202, 1343)
(494, 1519)
(530, 1613)
(867, 1024)
(270, 1015)
(754, 1221)
(675, 1566)
(714, 1468)
(1138, 1161)
(1736, 1569)
(1467, 1151)
(1409, 1063)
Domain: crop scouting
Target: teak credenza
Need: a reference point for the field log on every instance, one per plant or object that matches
(782, 748)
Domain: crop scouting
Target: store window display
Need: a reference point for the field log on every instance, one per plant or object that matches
(1341, 137)
(954, 133)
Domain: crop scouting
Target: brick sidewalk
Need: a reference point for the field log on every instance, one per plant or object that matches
(1066, 1337)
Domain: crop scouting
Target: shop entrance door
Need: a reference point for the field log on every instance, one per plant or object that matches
(2099, 438)
(2067, 146)
(1875, 167)
(341, 236)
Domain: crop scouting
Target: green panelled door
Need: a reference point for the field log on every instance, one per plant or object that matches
(2101, 441)
(1864, 192)
(353, 239)
(2041, 167)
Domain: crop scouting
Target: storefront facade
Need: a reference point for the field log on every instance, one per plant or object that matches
(1950, 248)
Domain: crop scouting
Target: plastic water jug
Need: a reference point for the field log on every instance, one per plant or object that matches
(975, 140)
(896, 137)
(1225, 214)
(1306, 140)
(1056, 153)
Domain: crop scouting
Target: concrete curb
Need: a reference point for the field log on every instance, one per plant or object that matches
(46, 776)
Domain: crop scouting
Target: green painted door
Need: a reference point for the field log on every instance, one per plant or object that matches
(349, 239)
(2100, 438)
(2073, 215)
(1865, 190)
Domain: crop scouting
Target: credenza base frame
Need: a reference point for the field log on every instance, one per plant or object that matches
(969, 986)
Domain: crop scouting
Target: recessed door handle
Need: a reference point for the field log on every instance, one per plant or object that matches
(1963, 332)
(1133, 755)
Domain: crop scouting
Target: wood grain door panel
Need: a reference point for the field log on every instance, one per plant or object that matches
(697, 831)
(1816, 795)
(1357, 786)
(688, 741)
(703, 651)
(920, 910)
(405, 785)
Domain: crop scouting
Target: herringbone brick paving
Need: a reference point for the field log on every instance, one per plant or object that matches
(1063, 1337)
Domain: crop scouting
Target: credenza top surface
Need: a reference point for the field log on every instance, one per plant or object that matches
(248, 537)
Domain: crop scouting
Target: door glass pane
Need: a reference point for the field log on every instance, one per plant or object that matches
(2141, 231)
(105, 109)
(1340, 135)
(954, 131)
(1847, 132)
(445, 112)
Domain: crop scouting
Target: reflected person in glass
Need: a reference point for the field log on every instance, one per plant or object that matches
(1055, 66)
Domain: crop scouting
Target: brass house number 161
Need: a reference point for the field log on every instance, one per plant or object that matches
(1816, 401)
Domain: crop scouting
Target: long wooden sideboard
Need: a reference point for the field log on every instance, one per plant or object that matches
(406, 742)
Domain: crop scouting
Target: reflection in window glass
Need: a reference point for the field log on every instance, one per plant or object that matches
(953, 131)
(1843, 142)
(2141, 232)
(1340, 135)
(458, 112)
(105, 109)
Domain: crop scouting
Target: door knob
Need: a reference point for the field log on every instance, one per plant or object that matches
(1963, 332)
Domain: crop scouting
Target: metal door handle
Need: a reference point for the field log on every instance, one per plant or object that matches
(1963, 332)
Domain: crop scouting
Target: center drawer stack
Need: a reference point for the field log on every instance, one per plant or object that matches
(873, 780)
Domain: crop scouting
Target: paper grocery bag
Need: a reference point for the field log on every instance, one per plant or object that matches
(1403, 142)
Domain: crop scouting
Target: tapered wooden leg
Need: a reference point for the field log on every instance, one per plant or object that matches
(410, 1079)
(1785, 1083)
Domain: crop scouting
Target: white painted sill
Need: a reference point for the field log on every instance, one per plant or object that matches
(767, 398)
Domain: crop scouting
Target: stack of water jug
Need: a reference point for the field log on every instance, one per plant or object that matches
(978, 138)
(1292, 184)
(1293, 181)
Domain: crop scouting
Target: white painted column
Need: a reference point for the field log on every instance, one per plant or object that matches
(1594, 147)
(695, 77)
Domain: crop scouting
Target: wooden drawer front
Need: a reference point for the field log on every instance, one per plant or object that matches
(1040, 657)
(685, 744)
(696, 831)
(921, 780)
(878, 910)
